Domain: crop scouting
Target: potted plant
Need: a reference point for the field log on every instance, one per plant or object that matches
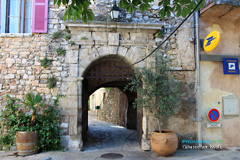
(160, 93)
(31, 122)
(27, 139)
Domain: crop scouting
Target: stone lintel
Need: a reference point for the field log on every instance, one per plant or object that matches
(121, 43)
(118, 25)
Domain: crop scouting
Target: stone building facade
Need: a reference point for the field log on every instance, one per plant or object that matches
(115, 107)
(97, 44)
(221, 91)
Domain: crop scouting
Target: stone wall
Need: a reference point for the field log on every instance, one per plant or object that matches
(20, 70)
(102, 9)
(114, 107)
(20, 61)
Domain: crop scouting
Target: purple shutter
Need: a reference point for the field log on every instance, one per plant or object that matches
(40, 16)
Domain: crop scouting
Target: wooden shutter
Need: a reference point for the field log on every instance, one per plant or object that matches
(40, 16)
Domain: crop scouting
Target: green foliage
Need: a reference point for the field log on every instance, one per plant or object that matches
(33, 101)
(80, 9)
(52, 82)
(160, 33)
(61, 51)
(57, 35)
(67, 30)
(76, 10)
(48, 126)
(67, 37)
(108, 88)
(84, 38)
(180, 7)
(71, 42)
(157, 89)
(49, 136)
(45, 63)
(6, 141)
(14, 118)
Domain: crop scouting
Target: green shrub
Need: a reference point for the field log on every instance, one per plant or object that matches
(157, 89)
(49, 133)
(52, 82)
(14, 118)
(67, 37)
(61, 51)
(45, 63)
(57, 35)
(160, 33)
(71, 43)
(67, 30)
(84, 38)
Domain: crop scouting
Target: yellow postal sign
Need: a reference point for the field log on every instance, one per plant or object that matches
(211, 41)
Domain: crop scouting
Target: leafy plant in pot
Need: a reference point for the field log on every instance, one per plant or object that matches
(26, 141)
(16, 121)
(31, 122)
(159, 93)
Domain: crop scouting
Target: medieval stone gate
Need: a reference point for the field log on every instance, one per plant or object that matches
(101, 59)
(107, 71)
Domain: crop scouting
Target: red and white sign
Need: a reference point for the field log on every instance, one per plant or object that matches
(213, 115)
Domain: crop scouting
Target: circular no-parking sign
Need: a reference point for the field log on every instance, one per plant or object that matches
(213, 115)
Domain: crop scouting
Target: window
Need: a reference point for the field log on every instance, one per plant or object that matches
(28, 16)
(16, 16)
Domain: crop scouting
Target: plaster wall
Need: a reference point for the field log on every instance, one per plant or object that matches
(96, 99)
(214, 84)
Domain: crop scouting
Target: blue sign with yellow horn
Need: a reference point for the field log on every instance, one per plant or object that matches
(211, 41)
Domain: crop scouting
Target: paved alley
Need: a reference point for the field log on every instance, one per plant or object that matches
(103, 135)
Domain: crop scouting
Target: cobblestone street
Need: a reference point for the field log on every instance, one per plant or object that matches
(103, 135)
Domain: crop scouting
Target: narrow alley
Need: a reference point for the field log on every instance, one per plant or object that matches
(104, 135)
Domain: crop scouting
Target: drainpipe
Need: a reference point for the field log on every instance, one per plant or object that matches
(199, 108)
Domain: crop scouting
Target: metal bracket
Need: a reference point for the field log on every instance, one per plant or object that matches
(216, 58)
(198, 119)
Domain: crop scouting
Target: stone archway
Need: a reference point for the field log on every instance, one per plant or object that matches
(107, 71)
(102, 41)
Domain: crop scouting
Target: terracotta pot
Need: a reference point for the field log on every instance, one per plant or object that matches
(26, 142)
(165, 143)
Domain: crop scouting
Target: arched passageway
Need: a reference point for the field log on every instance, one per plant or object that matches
(109, 71)
(114, 106)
